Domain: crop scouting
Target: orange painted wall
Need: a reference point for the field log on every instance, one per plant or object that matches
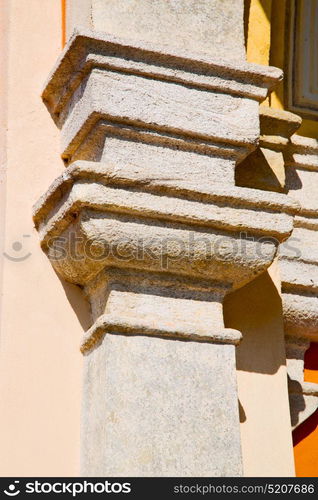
(63, 17)
(305, 436)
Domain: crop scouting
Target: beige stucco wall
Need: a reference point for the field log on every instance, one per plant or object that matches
(40, 363)
(256, 310)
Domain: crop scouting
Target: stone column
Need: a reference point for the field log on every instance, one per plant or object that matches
(299, 264)
(147, 219)
(286, 162)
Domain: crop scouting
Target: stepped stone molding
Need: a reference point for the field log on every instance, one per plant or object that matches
(186, 24)
(89, 188)
(107, 68)
(299, 274)
(148, 221)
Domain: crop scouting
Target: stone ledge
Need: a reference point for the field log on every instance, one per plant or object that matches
(277, 126)
(89, 143)
(302, 153)
(98, 205)
(99, 79)
(86, 50)
(303, 396)
(108, 324)
(106, 175)
(159, 107)
(300, 314)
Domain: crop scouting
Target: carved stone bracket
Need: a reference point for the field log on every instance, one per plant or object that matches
(265, 167)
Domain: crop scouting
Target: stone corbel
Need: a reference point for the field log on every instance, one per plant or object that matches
(160, 233)
(265, 167)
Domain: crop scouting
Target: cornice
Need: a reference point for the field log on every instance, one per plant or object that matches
(91, 199)
(101, 81)
(86, 50)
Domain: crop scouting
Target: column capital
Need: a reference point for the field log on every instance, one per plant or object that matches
(153, 136)
(168, 95)
(91, 210)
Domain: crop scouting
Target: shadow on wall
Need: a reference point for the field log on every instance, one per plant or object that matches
(242, 413)
(296, 400)
(293, 181)
(256, 310)
(78, 302)
(305, 429)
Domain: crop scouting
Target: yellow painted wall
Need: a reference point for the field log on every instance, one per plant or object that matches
(266, 33)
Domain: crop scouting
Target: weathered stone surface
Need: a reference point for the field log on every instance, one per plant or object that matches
(179, 235)
(157, 407)
(203, 25)
(160, 106)
(167, 94)
(152, 402)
